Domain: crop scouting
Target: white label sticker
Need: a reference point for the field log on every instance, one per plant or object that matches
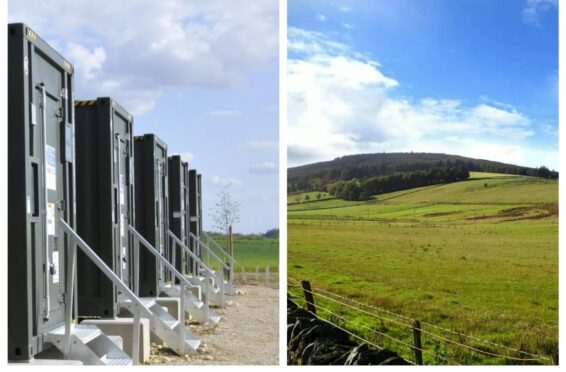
(55, 262)
(51, 167)
(50, 219)
(28, 204)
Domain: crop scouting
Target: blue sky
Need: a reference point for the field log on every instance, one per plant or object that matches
(471, 77)
(202, 75)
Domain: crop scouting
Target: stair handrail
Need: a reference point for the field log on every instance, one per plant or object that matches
(76, 241)
(138, 238)
(189, 252)
(155, 252)
(219, 277)
(217, 245)
(201, 243)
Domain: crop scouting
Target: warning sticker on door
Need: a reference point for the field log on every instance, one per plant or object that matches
(50, 219)
(55, 262)
(51, 168)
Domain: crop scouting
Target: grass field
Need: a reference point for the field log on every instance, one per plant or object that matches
(252, 251)
(478, 256)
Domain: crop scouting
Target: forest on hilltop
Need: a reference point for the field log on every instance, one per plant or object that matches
(358, 177)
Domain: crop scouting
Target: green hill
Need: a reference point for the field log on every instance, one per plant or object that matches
(317, 176)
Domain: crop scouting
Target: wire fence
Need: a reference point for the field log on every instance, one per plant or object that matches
(467, 347)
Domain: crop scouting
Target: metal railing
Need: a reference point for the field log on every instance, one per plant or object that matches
(184, 282)
(217, 245)
(196, 260)
(74, 242)
(222, 265)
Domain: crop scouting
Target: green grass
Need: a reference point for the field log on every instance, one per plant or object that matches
(481, 260)
(307, 197)
(251, 251)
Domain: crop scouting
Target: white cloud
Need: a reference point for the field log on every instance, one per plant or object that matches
(187, 157)
(348, 26)
(345, 9)
(225, 182)
(87, 63)
(225, 113)
(264, 168)
(321, 17)
(533, 8)
(142, 50)
(342, 103)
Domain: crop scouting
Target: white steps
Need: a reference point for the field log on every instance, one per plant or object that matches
(164, 326)
(198, 310)
(89, 345)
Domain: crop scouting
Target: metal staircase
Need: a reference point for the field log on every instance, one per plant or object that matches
(162, 324)
(89, 345)
(228, 284)
(74, 340)
(206, 278)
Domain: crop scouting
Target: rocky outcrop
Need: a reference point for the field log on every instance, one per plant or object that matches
(311, 341)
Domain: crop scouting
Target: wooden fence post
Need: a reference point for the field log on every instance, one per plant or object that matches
(418, 345)
(309, 298)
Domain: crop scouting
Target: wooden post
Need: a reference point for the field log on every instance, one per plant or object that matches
(418, 344)
(231, 250)
(308, 296)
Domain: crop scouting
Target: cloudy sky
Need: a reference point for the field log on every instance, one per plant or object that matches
(472, 77)
(203, 75)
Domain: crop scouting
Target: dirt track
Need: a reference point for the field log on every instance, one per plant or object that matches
(248, 333)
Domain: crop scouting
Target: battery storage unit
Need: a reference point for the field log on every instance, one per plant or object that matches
(199, 205)
(178, 208)
(152, 205)
(105, 200)
(194, 211)
(41, 188)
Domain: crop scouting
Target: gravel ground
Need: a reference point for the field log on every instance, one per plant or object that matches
(247, 334)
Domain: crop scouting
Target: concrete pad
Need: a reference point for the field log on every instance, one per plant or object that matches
(172, 304)
(124, 327)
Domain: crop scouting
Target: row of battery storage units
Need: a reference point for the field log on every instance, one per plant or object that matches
(79, 162)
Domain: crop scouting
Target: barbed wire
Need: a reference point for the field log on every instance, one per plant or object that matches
(438, 327)
(410, 346)
(534, 357)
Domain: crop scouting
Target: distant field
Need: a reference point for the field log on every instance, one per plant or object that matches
(479, 256)
(252, 251)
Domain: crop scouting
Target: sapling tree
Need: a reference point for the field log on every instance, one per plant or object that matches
(226, 212)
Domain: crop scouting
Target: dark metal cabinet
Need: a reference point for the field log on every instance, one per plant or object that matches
(41, 188)
(178, 208)
(194, 209)
(105, 200)
(151, 183)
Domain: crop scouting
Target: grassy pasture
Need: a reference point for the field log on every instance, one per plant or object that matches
(251, 251)
(480, 259)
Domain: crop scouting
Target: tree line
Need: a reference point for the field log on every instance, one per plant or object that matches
(315, 177)
(364, 189)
